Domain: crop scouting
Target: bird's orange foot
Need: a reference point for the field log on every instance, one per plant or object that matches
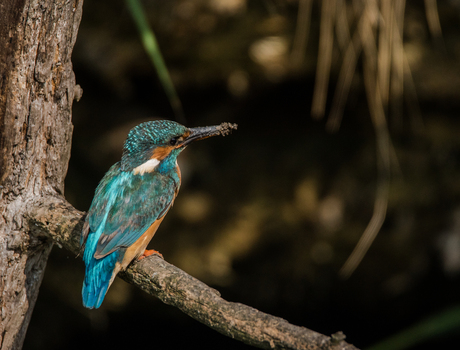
(150, 252)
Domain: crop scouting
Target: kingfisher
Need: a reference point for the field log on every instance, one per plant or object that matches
(132, 200)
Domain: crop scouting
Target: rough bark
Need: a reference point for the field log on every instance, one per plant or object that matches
(37, 88)
(57, 219)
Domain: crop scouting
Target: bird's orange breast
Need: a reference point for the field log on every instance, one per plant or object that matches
(138, 248)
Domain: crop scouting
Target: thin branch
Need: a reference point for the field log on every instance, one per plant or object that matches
(57, 219)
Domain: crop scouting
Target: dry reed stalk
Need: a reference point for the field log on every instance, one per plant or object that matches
(378, 35)
(299, 45)
(432, 17)
(326, 41)
(377, 112)
(397, 65)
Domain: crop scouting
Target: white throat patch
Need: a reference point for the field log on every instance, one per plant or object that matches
(146, 167)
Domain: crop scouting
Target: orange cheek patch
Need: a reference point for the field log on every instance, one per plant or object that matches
(161, 153)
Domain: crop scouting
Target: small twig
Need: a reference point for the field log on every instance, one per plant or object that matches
(57, 219)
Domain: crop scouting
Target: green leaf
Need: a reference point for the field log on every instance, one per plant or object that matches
(434, 326)
(151, 47)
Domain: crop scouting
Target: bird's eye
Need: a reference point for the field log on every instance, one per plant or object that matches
(173, 141)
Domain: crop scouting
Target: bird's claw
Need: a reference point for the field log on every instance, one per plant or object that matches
(150, 252)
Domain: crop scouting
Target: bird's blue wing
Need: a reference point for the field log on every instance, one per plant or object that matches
(126, 205)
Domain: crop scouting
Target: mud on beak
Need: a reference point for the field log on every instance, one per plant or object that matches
(204, 132)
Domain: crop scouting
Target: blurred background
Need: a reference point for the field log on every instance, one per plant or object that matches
(348, 123)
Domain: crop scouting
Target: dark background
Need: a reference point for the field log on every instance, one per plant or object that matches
(269, 214)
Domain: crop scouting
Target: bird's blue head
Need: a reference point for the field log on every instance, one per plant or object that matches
(156, 144)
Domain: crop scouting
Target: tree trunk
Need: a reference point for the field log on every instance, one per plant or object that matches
(37, 88)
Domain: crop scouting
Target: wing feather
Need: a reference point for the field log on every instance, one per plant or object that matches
(126, 205)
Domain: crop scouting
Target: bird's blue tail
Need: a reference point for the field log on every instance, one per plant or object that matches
(98, 273)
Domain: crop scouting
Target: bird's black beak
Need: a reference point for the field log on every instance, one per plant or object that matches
(204, 132)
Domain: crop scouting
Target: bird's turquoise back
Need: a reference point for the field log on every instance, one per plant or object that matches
(123, 208)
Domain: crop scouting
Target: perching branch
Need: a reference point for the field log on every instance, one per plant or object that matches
(57, 219)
